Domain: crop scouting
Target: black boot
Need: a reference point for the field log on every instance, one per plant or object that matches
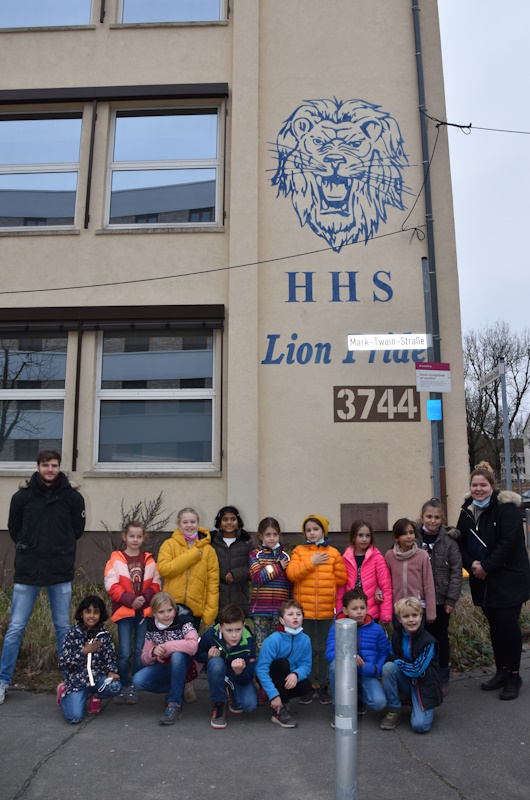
(512, 686)
(497, 682)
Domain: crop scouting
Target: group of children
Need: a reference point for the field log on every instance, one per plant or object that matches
(292, 604)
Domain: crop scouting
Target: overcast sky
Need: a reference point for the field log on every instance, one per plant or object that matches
(486, 48)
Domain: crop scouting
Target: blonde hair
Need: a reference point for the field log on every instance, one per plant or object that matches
(411, 602)
(159, 600)
(187, 510)
(486, 471)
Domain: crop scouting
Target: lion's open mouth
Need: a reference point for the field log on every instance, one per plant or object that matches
(335, 193)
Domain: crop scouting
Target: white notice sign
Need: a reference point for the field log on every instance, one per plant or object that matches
(388, 341)
(433, 376)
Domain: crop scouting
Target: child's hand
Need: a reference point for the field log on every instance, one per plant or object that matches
(213, 652)
(137, 603)
(449, 609)
(378, 597)
(91, 647)
(319, 558)
(229, 578)
(238, 665)
(283, 562)
(276, 702)
(159, 651)
(291, 680)
(360, 662)
(113, 675)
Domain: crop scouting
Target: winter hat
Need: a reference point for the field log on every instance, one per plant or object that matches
(322, 521)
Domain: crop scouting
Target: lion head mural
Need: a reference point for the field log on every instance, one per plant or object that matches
(342, 163)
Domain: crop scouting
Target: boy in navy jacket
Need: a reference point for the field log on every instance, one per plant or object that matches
(229, 652)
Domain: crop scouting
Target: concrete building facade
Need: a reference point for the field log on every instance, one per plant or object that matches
(198, 203)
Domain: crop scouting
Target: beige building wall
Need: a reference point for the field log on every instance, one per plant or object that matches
(283, 453)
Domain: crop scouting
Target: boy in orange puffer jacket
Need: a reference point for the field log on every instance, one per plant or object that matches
(315, 570)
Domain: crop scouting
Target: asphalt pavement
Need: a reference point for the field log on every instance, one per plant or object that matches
(477, 748)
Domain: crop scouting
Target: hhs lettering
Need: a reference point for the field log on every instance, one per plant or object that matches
(343, 290)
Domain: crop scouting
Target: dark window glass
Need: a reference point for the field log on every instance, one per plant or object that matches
(27, 426)
(37, 363)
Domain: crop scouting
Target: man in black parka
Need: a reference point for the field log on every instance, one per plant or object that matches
(46, 518)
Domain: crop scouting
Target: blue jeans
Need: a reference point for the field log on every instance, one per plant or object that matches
(73, 704)
(243, 694)
(160, 678)
(24, 597)
(126, 629)
(394, 681)
(369, 690)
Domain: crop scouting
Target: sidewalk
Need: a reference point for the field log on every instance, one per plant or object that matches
(478, 748)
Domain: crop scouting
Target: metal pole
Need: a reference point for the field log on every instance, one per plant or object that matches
(345, 709)
(430, 355)
(527, 532)
(507, 455)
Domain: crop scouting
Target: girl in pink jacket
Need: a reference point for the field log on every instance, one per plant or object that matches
(367, 570)
(170, 642)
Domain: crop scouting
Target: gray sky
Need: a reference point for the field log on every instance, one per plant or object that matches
(486, 48)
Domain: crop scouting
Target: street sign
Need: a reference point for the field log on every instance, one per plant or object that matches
(433, 376)
(388, 341)
(491, 376)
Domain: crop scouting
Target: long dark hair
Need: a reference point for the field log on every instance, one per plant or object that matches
(228, 510)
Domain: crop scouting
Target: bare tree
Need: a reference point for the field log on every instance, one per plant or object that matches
(483, 349)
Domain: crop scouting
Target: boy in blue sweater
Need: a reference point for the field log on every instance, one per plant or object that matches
(229, 652)
(284, 663)
(412, 669)
(373, 648)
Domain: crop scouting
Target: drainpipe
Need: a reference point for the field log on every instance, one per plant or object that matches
(430, 243)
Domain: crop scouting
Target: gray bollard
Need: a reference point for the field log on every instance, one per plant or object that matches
(345, 709)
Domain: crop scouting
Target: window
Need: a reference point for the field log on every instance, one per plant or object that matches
(171, 10)
(43, 13)
(156, 399)
(165, 167)
(32, 391)
(39, 163)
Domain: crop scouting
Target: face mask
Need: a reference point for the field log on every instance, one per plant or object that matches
(190, 537)
(292, 631)
(320, 541)
(482, 504)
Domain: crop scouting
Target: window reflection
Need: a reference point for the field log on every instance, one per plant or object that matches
(171, 10)
(41, 13)
(162, 196)
(165, 136)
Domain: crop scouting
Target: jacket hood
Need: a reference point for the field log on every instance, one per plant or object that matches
(349, 553)
(27, 482)
(204, 534)
(503, 496)
(241, 535)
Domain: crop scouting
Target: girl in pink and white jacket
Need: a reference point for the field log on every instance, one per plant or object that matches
(170, 643)
(367, 570)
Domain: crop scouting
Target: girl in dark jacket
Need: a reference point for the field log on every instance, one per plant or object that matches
(232, 544)
(441, 545)
(494, 554)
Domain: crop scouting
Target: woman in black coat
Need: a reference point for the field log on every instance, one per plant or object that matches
(494, 553)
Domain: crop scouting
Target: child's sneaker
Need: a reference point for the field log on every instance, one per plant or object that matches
(390, 720)
(232, 705)
(219, 716)
(94, 705)
(361, 708)
(189, 693)
(282, 717)
(120, 698)
(171, 715)
(61, 689)
(324, 695)
(307, 698)
(131, 695)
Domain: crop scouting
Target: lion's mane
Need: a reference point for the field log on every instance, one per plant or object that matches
(342, 164)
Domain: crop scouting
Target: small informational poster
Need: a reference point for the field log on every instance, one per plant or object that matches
(433, 376)
(434, 410)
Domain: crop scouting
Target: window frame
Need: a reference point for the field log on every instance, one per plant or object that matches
(36, 394)
(176, 164)
(223, 16)
(45, 168)
(157, 394)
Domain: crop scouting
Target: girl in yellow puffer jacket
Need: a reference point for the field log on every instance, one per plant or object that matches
(315, 570)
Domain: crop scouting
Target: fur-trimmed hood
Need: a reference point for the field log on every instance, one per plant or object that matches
(502, 496)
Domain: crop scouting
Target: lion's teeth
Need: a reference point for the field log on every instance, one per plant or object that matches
(324, 205)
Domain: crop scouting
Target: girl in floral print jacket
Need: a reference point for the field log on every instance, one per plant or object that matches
(88, 661)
